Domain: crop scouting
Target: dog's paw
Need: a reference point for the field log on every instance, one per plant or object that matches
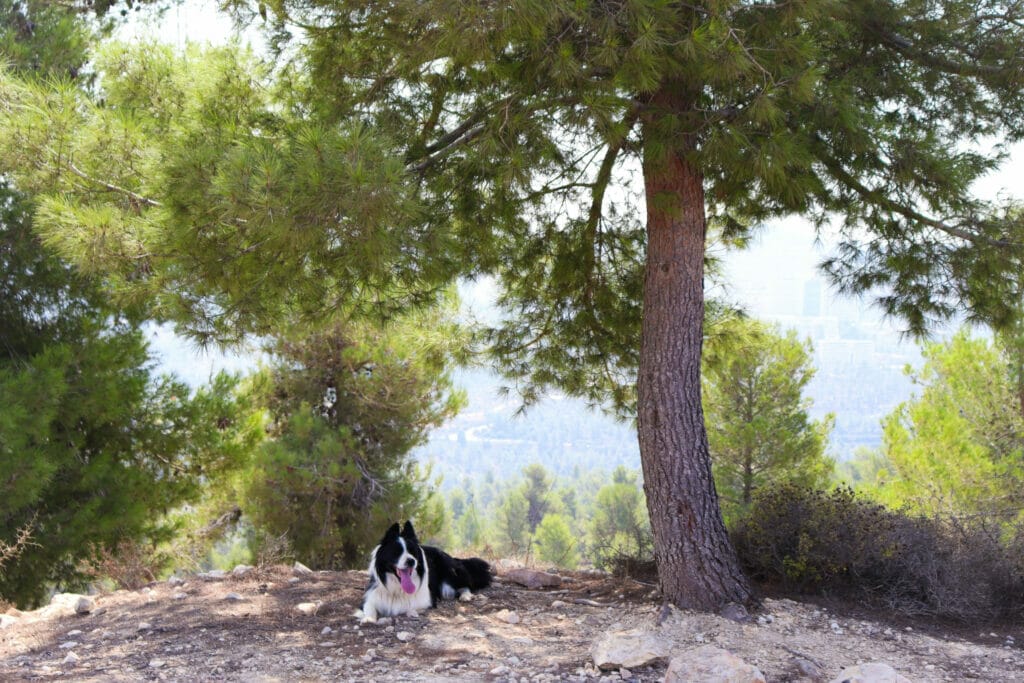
(465, 596)
(364, 618)
(412, 614)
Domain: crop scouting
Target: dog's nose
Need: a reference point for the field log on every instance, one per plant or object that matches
(409, 562)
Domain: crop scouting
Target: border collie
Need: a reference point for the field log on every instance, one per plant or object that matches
(406, 576)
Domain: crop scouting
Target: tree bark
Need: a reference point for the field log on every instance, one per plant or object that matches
(697, 566)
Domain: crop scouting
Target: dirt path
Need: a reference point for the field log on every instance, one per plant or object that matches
(249, 629)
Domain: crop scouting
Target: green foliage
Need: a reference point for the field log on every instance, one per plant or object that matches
(512, 524)
(957, 448)
(221, 210)
(94, 450)
(840, 544)
(347, 406)
(620, 532)
(759, 431)
(42, 37)
(555, 542)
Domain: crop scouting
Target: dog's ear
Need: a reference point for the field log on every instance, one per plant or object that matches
(408, 532)
(391, 535)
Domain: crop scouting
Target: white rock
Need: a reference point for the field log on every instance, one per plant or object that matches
(628, 649)
(70, 660)
(404, 636)
(872, 672)
(74, 632)
(499, 670)
(242, 570)
(156, 663)
(710, 664)
(7, 620)
(558, 603)
(68, 645)
(294, 579)
(215, 574)
(308, 607)
(507, 616)
(144, 626)
(300, 569)
(234, 597)
(175, 581)
(327, 643)
(325, 630)
(83, 605)
(179, 596)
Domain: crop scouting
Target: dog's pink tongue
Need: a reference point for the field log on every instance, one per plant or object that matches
(405, 576)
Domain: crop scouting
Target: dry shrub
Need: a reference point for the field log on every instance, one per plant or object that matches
(836, 543)
(131, 564)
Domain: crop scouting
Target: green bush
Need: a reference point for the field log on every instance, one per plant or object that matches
(837, 543)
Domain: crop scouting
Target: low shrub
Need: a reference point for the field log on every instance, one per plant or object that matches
(837, 543)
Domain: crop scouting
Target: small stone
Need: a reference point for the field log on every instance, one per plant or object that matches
(735, 612)
(75, 632)
(628, 649)
(308, 608)
(558, 603)
(294, 579)
(507, 616)
(242, 570)
(68, 645)
(234, 597)
(404, 636)
(872, 672)
(71, 659)
(300, 569)
(175, 581)
(215, 574)
(325, 630)
(625, 673)
(156, 663)
(806, 670)
(144, 626)
(179, 596)
(710, 663)
(327, 643)
(83, 605)
(532, 578)
(499, 670)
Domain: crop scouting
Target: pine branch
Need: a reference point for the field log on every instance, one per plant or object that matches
(906, 47)
(113, 188)
(879, 199)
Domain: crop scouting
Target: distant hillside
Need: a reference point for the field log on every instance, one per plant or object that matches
(489, 439)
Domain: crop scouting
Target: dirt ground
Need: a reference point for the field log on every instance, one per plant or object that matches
(249, 629)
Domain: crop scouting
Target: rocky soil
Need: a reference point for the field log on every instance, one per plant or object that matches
(289, 624)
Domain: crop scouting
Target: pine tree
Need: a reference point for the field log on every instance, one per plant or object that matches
(556, 544)
(413, 141)
(957, 448)
(347, 406)
(759, 430)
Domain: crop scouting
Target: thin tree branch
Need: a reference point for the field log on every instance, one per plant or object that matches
(878, 198)
(113, 188)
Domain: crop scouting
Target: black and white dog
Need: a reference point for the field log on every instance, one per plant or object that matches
(406, 577)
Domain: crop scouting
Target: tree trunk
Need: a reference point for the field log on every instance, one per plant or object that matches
(697, 566)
